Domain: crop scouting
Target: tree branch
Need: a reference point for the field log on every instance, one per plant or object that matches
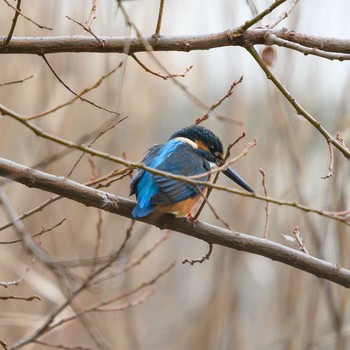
(56, 44)
(209, 233)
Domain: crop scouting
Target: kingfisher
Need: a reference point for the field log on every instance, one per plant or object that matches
(191, 151)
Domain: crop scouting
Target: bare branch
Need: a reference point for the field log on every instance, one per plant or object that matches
(200, 260)
(266, 230)
(300, 241)
(272, 24)
(13, 26)
(78, 96)
(17, 81)
(200, 230)
(331, 161)
(273, 39)
(161, 75)
(87, 30)
(92, 15)
(184, 43)
(74, 93)
(60, 346)
(4, 345)
(218, 103)
(129, 164)
(300, 110)
(27, 18)
(160, 16)
(259, 17)
(12, 297)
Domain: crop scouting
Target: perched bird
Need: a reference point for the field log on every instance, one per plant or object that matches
(191, 151)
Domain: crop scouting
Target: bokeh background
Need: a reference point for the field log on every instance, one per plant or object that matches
(236, 300)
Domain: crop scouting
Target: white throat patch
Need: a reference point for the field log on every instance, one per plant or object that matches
(190, 142)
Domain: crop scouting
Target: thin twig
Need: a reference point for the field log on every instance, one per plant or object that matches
(139, 165)
(258, 17)
(111, 300)
(92, 15)
(300, 241)
(92, 142)
(227, 155)
(266, 229)
(331, 161)
(145, 43)
(158, 74)
(273, 39)
(134, 262)
(45, 327)
(218, 103)
(160, 16)
(300, 110)
(20, 279)
(4, 345)
(273, 23)
(14, 22)
(59, 346)
(83, 92)
(88, 30)
(70, 90)
(35, 235)
(17, 81)
(27, 18)
(252, 7)
(226, 164)
(13, 297)
(216, 215)
(200, 260)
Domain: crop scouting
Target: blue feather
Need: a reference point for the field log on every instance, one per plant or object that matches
(143, 183)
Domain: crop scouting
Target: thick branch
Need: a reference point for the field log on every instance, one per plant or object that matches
(56, 44)
(206, 232)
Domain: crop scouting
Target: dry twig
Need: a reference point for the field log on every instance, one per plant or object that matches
(331, 161)
(74, 93)
(273, 23)
(92, 15)
(299, 109)
(17, 81)
(88, 30)
(200, 260)
(300, 241)
(266, 229)
(13, 297)
(160, 16)
(13, 26)
(218, 103)
(27, 18)
(159, 74)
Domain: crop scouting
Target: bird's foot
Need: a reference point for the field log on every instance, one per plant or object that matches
(189, 218)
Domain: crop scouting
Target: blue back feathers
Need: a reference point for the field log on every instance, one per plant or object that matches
(176, 157)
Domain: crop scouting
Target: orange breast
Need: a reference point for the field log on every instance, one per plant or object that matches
(179, 209)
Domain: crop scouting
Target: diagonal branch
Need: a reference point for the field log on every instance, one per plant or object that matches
(39, 132)
(209, 233)
(13, 26)
(299, 109)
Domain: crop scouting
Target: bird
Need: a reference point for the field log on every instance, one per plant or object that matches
(193, 150)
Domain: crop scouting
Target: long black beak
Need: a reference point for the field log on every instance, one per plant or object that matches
(230, 173)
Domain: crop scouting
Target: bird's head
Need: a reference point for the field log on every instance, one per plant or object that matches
(209, 146)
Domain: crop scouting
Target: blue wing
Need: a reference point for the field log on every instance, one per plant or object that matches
(186, 162)
(175, 157)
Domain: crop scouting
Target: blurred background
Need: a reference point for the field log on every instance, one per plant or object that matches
(235, 300)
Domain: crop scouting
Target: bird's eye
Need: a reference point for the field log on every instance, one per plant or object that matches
(211, 149)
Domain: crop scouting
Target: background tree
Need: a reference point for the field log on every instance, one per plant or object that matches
(85, 278)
